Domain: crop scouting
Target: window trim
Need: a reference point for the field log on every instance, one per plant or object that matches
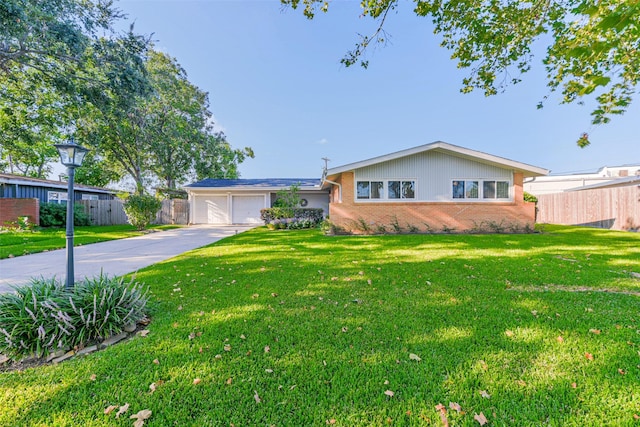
(385, 190)
(481, 198)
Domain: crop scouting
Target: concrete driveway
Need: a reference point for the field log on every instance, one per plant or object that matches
(115, 257)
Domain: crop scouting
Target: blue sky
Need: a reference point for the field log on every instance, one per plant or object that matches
(276, 84)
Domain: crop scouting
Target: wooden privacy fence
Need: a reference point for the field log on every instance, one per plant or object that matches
(111, 212)
(612, 208)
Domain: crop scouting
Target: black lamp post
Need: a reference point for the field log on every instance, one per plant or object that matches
(71, 155)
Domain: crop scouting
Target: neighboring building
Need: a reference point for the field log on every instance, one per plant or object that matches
(437, 186)
(239, 201)
(23, 187)
(558, 183)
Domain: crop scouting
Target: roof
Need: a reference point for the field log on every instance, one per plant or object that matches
(6, 178)
(617, 182)
(443, 147)
(254, 184)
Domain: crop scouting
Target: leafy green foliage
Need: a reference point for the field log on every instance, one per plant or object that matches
(528, 197)
(55, 215)
(141, 210)
(593, 47)
(42, 317)
(292, 218)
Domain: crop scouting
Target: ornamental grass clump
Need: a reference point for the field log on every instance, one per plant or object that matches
(103, 306)
(43, 317)
(32, 320)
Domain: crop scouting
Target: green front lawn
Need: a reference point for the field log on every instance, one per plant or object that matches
(16, 243)
(294, 328)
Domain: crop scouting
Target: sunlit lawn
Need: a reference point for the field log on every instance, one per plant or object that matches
(293, 328)
(16, 243)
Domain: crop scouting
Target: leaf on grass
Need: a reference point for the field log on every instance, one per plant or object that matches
(192, 336)
(242, 337)
(140, 417)
(595, 331)
(156, 362)
(227, 347)
(109, 409)
(560, 339)
(574, 385)
(389, 393)
(509, 333)
(415, 357)
(331, 421)
(268, 371)
(621, 372)
(483, 365)
(196, 381)
(345, 329)
(257, 398)
(443, 414)
(480, 418)
(229, 381)
(484, 394)
(636, 417)
(455, 406)
(267, 349)
(521, 383)
(144, 332)
(124, 408)
(152, 387)
(589, 356)
(93, 377)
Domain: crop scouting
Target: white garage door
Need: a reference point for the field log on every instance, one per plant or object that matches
(246, 209)
(210, 210)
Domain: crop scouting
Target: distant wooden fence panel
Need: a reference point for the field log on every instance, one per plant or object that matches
(612, 208)
(111, 212)
(174, 211)
(104, 212)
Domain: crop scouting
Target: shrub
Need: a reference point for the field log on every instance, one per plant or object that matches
(55, 215)
(141, 210)
(301, 217)
(42, 317)
(528, 197)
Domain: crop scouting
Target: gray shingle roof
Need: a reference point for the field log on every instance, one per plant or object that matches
(255, 183)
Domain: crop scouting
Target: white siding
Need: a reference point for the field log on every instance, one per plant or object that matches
(433, 172)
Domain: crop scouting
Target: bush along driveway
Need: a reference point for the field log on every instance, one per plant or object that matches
(294, 328)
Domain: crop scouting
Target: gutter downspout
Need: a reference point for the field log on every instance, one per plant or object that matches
(339, 188)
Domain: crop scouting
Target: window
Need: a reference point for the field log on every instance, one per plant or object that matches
(469, 189)
(465, 189)
(369, 189)
(495, 190)
(402, 189)
(489, 189)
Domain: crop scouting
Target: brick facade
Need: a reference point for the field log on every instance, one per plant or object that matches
(11, 209)
(430, 216)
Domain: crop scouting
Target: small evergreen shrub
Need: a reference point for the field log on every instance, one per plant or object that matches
(42, 317)
(296, 218)
(141, 210)
(55, 215)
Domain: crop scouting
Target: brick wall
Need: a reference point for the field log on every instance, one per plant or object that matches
(11, 209)
(432, 216)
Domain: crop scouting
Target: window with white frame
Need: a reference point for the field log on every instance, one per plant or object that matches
(369, 189)
(479, 189)
(390, 190)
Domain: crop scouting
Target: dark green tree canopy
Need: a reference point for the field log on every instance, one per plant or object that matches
(593, 49)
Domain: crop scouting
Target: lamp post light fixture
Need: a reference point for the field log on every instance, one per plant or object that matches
(71, 156)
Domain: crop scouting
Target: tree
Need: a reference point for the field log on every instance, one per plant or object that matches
(593, 49)
(59, 60)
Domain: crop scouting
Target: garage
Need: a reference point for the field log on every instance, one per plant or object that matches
(246, 209)
(210, 210)
(239, 201)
